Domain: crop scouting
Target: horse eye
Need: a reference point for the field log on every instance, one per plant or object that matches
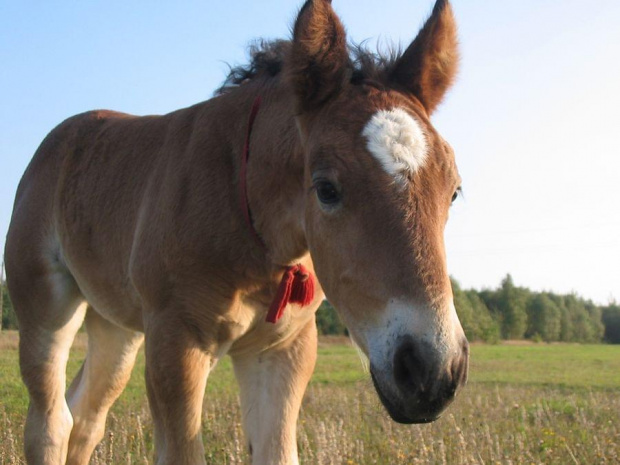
(455, 195)
(327, 193)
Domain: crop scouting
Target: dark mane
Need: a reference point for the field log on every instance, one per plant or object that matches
(267, 59)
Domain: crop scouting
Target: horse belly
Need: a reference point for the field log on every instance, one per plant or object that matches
(113, 299)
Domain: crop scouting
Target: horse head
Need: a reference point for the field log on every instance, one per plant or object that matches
(380, 181)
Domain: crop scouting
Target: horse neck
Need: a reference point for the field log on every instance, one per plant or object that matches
(275, 176)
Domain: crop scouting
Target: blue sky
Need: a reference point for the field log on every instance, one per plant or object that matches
(534, 118)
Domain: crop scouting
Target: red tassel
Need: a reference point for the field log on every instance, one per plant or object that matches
(303, 287)
(282, 297)
(297, 286)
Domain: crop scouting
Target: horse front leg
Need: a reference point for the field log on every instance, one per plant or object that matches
(272, 384)
(177, 367)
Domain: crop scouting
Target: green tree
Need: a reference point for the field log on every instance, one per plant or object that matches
(511, 312)
(491, 301)
(511, 305)
(475, 317)
(578, 317)
(595, 322)
(488, 327)
(328, 321)
(544, 318)
(465, 312)
(585, 319)
(611, 320)
(566, 323)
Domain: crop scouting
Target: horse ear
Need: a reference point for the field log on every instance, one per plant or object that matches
(429, 65)
(317, 63)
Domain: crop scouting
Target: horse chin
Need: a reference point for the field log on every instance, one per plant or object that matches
(397, 411)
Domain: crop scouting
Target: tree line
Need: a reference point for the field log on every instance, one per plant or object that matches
(512, 312)
(491, 315)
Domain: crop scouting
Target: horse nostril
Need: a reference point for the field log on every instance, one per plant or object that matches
(451, 388)
(410, 371)
(465, 348)
(460, 367)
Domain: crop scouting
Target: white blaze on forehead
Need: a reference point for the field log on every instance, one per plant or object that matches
(397, 141)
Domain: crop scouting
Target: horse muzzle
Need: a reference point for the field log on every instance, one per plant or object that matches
(418, 384)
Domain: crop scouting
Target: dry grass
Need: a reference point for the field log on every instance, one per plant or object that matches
(9, 340)
(342, 422)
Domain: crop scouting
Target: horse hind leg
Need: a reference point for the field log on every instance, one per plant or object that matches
(50, 310)
(103, 376)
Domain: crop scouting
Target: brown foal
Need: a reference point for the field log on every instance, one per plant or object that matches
(136, 225)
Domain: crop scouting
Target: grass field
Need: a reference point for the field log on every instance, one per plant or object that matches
(524, 404)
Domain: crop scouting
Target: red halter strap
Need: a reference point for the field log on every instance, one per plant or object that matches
(243, 174)
(297, 284)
